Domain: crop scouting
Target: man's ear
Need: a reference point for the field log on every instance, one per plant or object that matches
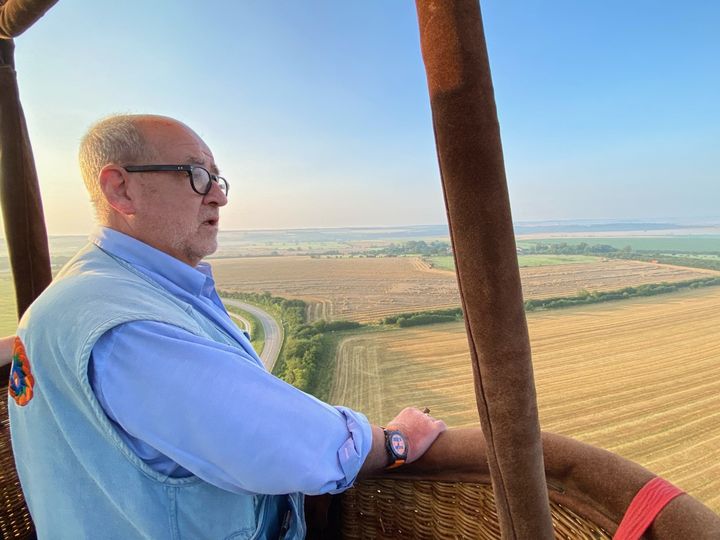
(114, 185)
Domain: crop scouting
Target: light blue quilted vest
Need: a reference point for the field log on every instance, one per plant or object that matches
(79, 478)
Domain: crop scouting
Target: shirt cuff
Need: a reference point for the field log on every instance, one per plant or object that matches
(355, 449)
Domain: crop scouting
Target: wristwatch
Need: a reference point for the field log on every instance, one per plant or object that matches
(397, 447)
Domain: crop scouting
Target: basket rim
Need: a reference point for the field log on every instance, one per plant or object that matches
(592, 482)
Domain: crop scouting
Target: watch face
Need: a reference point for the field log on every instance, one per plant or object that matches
(397, 442)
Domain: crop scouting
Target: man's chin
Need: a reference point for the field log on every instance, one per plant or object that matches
(207, 238)
(210, 248)
(198, 252)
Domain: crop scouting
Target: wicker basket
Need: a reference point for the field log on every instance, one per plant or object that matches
(439, 510)
(15, 519)
(447, 494)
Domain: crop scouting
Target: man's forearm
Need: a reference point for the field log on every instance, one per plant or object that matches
(6, 348)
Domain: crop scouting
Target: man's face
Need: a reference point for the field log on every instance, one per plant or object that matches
(170, 215)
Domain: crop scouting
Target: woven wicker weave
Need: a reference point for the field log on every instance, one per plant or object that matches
(14, 518)
(439, 510)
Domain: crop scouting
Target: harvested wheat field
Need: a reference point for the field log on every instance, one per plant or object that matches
(368, 289)
(361, 289)
(639, 377)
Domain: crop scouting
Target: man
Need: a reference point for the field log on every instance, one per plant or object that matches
(138, 409)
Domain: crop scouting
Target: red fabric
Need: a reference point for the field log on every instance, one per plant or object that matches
(645, 507)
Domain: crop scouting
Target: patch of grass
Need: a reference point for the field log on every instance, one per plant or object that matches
(448, 263)
(692, 256)
(325, 364)
(676, 259)
(552, 260)
(695, 243)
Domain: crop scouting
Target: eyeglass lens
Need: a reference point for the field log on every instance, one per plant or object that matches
(201, 180)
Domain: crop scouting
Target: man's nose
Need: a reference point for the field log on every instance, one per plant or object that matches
(215, 196)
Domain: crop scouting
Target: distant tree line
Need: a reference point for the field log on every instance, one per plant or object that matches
(563, 248)
(668, 256)
(417, 318)
(435, 248)
(594, 297)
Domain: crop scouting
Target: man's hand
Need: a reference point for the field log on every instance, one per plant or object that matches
(420, 430)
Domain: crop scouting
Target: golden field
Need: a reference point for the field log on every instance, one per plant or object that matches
(8, 307)
(368, 289)
(638, 377)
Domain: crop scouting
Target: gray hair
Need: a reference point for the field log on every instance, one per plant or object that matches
(115, 139)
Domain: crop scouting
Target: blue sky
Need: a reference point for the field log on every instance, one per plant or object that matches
(318, 113)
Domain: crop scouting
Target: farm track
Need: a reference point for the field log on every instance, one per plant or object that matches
(640, 378)
(368, 289)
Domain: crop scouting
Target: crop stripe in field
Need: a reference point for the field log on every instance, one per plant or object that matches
(702, 478)
(341, 379)
(663, 427)
(357, 382)
(318, 309)
(421, 264)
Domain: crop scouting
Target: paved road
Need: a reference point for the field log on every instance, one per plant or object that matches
(273, 331)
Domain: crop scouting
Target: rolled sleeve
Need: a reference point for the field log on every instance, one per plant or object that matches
(213, 411)
(354, 451)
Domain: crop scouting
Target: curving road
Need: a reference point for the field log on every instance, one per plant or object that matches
(273, 331)
(245, 323)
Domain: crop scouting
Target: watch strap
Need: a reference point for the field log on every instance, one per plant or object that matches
(396, 446)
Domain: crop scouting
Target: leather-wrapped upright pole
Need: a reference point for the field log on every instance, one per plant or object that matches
(469, 151)
(23, 216)
(25, 231)
(16, 16)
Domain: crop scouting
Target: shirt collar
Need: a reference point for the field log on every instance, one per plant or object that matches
(195, 281)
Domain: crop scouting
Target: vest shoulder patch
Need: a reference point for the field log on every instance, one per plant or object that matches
(22, 382)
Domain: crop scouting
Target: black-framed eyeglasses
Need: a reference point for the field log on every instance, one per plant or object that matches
(200, 178)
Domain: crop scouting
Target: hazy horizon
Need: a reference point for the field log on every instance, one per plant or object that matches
(318, 113)
(230, 239)
(562, 225)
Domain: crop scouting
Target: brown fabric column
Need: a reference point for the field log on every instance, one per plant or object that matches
(25, 232)
(16, 16)
(471, 164)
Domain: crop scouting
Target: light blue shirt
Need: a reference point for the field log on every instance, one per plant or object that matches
(189, 405)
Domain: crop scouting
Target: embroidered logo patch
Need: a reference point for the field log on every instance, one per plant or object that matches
(21, 379)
